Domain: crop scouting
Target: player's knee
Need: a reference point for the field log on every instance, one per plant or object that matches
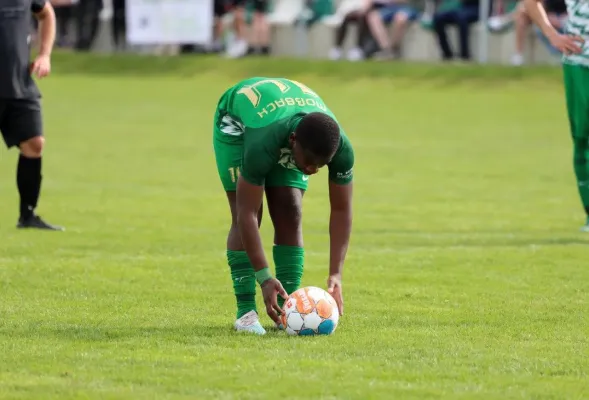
(33, 148)
(234, 219)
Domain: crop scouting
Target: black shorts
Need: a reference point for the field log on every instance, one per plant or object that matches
(20, 120)
(222, 7)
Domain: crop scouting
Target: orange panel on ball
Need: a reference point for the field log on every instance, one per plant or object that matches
(305, 304)
(324, 309)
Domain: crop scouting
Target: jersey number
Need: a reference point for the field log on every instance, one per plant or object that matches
(254, 96)
(234, 172)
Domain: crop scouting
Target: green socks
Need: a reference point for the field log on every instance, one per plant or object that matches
(581, 162)
(244, 281)
(289, 261)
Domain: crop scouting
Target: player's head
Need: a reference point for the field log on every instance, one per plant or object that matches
(314, 142)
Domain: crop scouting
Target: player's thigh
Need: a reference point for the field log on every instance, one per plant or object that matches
(285, 206)
(228, 147)
(228, 158)
(228, 155)
(284, 194)
(21, 120)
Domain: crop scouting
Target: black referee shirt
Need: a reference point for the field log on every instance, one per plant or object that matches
(16, 81)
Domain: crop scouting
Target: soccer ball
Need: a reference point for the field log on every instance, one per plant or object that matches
(310, 311)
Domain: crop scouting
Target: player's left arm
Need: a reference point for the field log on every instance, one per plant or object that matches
(340, 226)
(46, 16)
(340, 220)
(566, 44)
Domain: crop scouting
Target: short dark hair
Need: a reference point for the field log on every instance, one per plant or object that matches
(319, 134)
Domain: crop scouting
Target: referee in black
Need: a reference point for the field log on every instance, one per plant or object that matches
(21, 123)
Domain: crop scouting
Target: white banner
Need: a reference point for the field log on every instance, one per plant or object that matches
(152, 22)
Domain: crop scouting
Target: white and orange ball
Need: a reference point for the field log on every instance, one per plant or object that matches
(310, 311)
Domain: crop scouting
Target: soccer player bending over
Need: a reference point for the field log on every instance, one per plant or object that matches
(270, 135)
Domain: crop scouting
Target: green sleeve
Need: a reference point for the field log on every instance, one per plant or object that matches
(260, 155)
(341, 167)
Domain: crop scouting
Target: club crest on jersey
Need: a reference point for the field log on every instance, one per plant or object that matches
(231, 127)
(286, 159)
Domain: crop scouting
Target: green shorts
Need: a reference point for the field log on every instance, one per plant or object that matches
(228, 145)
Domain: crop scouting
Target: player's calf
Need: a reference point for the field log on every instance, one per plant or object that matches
(242, 272)
(28, 179)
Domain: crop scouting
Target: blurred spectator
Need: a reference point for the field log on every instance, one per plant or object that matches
(463, 15)
(219, 10)
(119, 25)
(87, 23)
(64, 13)
(372, 19)
(239, 46)
(260, 37)
(557, 15)
(398, 12)
(353, 16)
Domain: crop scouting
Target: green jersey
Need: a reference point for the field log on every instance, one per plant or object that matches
(578, 24)
(263, 113)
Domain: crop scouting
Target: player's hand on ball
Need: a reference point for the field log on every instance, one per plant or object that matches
(41, 67)
(334, 288)
(270, 289)
(567, 44)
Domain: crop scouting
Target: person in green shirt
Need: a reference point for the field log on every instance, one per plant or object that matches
(270, 135)
(576, 82)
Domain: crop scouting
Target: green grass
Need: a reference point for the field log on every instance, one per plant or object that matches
(466, 277)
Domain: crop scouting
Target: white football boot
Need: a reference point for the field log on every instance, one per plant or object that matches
(250, 323)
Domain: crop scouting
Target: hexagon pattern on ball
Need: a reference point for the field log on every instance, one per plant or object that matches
(310, 311)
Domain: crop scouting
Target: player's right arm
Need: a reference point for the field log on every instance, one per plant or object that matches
(566, 44)
(45, 14)
(257, 162)
(249, 200)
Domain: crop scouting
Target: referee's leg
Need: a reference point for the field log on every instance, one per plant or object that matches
(22, 126)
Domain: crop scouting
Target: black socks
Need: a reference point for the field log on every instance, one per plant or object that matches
(28, 180)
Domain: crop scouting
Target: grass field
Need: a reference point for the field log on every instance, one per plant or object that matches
(466, 277)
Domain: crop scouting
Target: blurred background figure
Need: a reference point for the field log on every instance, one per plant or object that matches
(260, 37)
(463, 15)
(238, 47)
(119, 24)
(354, 15)
(557, 15)
(87, 20)
(398, 13)
(250, 27)
(64, 14)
